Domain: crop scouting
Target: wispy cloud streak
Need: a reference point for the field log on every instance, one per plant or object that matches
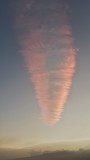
(46, 43)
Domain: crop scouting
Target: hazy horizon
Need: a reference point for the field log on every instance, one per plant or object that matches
(21, 153)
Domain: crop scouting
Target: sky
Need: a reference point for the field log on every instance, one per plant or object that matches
(20, 123)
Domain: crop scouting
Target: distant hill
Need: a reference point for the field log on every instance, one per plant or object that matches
(62, 145)
(61, 155)
(6, 153)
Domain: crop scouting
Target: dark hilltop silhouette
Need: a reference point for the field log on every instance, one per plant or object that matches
(59, 155)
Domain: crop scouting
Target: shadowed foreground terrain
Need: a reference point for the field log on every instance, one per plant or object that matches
(61, 155)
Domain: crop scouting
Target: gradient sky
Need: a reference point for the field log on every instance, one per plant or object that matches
(20, 125)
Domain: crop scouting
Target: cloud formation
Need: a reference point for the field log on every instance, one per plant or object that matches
(46, 42)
